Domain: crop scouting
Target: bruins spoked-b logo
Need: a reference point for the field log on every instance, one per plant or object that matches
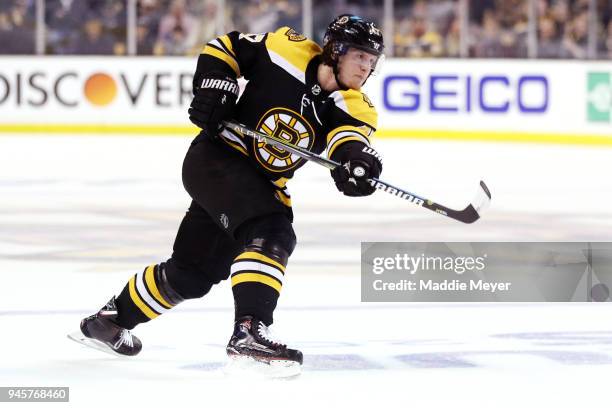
(294, 35)
(290, 126)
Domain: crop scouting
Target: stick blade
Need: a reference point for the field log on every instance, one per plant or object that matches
(481, 201)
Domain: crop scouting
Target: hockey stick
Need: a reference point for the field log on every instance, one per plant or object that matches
(468, 215)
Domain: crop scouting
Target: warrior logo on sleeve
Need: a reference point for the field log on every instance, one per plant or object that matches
(285, 124)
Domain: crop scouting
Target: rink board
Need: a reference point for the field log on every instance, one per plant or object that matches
(498, 100)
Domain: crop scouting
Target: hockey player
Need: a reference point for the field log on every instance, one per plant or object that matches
(239, 223)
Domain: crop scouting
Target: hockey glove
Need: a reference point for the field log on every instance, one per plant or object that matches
(214, 101)
(358, 162)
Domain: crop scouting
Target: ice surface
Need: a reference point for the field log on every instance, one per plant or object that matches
(80, 215)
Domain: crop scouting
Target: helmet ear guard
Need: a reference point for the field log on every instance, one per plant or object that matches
(335, 50)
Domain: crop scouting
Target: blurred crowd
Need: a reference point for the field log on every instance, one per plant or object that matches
(433, 28)
(499, 29)
(563, 29)
(17, 27)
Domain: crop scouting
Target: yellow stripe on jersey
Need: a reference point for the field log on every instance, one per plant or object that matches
(150, 280)
(297, 53)
(283, 198)
(223, 56)
(281, 182)
(344, 140)
(357, 105)
(259, 257)
(347, 128)
(228, 44)
(138, 301)
(344, 134)
(236, 146)
(255, 277)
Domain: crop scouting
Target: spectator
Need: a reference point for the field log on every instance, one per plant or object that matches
(511, 14)
(95, 41)
(608, 41)
(488, 43)
(575, 39)
(5, 32)
(420, 41)
(147, 26)
(176, 42)
(289, 14)
(442, 14)
(549, 44)
(452, 41)
(17, 28)
(497, 41)
(560, 13)
(542, 8)
(178, 25)
(235, 16)
(114, 16)
(261, 17)
(603, 38)
(513, 44)
(65, 21)
(145, 40)
(207, 12)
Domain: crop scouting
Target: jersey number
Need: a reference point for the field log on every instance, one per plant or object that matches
(254, 38)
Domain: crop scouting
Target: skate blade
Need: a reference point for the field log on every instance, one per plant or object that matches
(248, 366)
(93, 343)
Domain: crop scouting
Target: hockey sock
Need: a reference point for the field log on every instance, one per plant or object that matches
(257, 280)
(146, 296)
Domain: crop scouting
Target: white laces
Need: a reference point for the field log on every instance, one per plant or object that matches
(266, 334)
(126, 338)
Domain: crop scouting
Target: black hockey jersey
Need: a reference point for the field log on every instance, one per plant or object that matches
(283, 98)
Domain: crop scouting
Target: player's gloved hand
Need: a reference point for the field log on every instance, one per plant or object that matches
(358, 162)
(214, 101)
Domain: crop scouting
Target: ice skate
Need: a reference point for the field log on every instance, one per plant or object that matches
(99, 331)
(251, 348)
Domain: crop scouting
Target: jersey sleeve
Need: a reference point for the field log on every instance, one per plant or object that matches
(234, 54)
(353, 118)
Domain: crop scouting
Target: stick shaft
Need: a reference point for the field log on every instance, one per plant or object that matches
(467, 215)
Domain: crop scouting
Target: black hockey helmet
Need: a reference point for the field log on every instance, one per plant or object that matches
(348, 30)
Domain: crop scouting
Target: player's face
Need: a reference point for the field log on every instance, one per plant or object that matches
(354, 67)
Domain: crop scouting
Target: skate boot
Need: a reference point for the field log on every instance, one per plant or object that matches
(251, 344)
(100, 331)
